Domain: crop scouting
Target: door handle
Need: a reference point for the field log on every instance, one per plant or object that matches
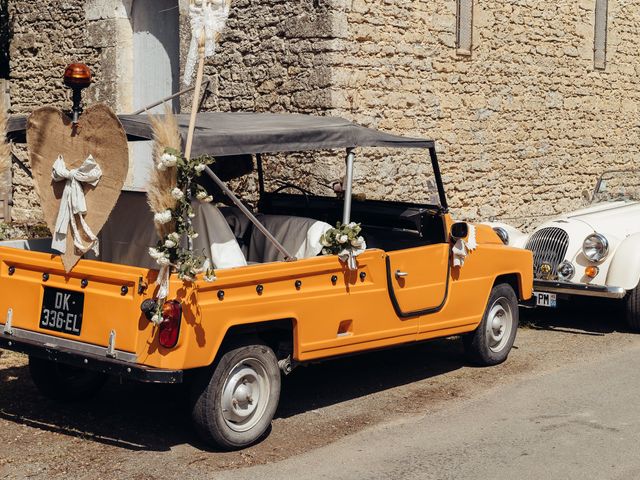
(401, 274)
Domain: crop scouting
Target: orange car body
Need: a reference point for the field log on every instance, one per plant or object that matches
(332, 310)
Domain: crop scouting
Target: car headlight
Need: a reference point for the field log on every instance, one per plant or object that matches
(503, 234)
(566, 270)
(595, 247)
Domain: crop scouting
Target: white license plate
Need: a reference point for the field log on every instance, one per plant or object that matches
(544, 299)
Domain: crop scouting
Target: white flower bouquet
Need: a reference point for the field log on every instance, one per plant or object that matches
(345, 241)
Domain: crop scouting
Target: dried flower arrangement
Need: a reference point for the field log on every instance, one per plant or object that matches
(172, 187)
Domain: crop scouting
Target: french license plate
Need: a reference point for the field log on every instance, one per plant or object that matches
(544, 299)
(62, 311)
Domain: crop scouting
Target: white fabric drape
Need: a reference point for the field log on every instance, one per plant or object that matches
(211, 18)
(462, 247)
(73, 205)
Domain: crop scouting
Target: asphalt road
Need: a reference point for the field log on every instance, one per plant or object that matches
(575, 422)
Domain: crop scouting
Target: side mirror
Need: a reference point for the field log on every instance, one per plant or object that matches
(459, 230)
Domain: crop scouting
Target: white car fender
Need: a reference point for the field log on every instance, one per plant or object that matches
(624, 270)
(516, 237)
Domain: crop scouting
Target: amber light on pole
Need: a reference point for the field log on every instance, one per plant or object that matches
(77, 77)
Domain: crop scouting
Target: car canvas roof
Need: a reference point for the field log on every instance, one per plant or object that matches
(221, 134)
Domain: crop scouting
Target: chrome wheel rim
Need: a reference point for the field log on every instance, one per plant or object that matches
(245, 395)
(499, 324)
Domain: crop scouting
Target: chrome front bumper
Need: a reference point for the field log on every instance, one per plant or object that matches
(582, 289)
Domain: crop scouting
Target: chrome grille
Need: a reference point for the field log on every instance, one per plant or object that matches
(549, 245)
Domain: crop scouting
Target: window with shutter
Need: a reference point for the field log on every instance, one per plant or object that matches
(464, 33)
(600, 35)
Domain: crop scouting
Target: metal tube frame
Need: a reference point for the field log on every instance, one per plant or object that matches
(346, 212)
(439, 184)
(236, 201)
(177, 94)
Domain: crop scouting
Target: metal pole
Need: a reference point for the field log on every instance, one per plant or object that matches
(236, 201)
(346, 213)
(439, 184)
(171, 97)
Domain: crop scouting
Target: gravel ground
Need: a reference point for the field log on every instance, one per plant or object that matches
(143, 431)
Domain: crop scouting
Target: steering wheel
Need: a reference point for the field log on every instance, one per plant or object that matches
(306, 193)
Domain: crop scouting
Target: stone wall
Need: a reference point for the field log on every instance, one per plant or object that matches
(46, 36)
(524, 125)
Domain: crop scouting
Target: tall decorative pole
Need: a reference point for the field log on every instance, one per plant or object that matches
(208, 18)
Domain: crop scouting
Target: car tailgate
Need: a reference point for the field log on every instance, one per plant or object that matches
(108, 294)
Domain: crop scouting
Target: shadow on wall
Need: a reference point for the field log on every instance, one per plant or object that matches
(5, 37)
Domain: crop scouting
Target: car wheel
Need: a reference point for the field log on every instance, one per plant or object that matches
(64, 383)
(233, 405)
(632, 309)
(491, 342)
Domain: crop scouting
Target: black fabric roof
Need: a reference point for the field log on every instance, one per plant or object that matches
(220, 134)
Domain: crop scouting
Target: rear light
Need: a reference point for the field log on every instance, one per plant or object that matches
(170, 327)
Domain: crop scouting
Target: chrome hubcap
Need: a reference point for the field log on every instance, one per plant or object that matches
(499, 324)
(245, 395)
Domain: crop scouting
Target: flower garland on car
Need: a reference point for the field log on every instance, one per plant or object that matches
(172, 188)
(345, 241)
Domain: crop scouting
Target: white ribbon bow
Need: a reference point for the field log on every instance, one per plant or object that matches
(210, 17)
(462, 247)
(73, 204)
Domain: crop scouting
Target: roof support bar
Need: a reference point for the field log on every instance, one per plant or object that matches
(346, 213)
(236, 201)
(438, 176)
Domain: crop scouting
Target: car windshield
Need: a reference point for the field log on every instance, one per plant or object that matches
(617, 185)
(379, 174)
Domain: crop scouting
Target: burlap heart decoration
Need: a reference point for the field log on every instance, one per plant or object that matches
(99, 134)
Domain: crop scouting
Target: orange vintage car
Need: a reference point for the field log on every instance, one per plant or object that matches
(421, 276)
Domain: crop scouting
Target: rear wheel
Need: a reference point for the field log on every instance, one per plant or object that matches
(632, 309)
(491, 342)
(233, 405)
(65, 383)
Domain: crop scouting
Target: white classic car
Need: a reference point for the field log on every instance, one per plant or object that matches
(594, 251)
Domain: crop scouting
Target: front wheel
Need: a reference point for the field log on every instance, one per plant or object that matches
(491, 342)
(233, 406)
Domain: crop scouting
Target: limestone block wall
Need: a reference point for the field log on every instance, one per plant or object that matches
(523, 125)
(46, 36)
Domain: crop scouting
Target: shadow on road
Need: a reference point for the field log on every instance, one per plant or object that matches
(156, 417)
(578, 317)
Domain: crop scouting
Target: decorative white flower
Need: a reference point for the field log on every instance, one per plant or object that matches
(162, 217)
(169, 243)
(157, 319)
(169, 160)
(210, 277)
(163, 261)
(173, 236)
(200, 167)
(357, 242)
(191, 215)
(352, 225)
(207, 199)
(177, 193)
(193, 235)
(155, 253)
(201, 195)
(343, 239)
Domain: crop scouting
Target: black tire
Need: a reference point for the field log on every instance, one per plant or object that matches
(632, 310)
(64, 383)
(490, 344)
(241, 374)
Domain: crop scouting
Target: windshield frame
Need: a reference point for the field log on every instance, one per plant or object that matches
(601, 178)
